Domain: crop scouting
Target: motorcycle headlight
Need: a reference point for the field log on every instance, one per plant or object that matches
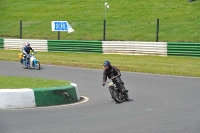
(110, 84)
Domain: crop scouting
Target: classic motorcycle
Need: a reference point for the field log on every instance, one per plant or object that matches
(30, 61)
(117, 89)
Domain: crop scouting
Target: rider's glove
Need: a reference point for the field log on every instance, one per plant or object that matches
(103, 83)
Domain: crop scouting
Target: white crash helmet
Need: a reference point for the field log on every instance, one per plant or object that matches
(27, 44)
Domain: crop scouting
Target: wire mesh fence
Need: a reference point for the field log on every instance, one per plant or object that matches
(133, 30)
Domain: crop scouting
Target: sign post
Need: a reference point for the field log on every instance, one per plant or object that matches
(104, 21)
(20, 33)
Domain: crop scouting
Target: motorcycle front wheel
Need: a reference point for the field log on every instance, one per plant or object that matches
(118, 97)
(37, 65)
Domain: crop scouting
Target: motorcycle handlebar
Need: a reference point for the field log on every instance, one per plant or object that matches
(113, 78)
(116, 76)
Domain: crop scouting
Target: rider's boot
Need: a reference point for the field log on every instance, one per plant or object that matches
(127, 99)
(124, 90)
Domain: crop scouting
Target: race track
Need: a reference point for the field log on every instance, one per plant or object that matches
(162, 104)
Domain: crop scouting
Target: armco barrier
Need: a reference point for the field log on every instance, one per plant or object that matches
(134, 47)
(1, 43)
(17, 44)
(38, 97)
(183, 49)
(74, 46)
(107, 47)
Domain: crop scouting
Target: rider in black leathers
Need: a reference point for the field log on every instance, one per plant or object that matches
(110, 71)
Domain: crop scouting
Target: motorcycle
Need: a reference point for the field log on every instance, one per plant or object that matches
(29, 61)
(117, 89)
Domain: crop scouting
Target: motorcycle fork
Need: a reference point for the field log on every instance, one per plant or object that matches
(118, 84)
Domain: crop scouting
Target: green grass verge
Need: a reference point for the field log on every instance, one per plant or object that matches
(183, 66)
(126, 19)
(15, 82)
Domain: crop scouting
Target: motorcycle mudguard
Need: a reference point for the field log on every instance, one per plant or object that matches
(34, 62)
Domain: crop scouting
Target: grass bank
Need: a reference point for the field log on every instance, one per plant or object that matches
(126, 19)
(14, 82)
(183, 66)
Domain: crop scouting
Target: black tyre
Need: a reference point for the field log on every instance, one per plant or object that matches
(111, 91)
(124, 91)
(118, 97)
(37, 65)
(24, 65)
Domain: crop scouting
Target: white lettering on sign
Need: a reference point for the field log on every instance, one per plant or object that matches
(61, 26)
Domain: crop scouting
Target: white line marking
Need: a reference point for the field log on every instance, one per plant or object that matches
(85, 99)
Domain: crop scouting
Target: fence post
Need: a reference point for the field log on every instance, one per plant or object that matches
(104, 30)
(58, 35)
(157, 30)
(20, 32)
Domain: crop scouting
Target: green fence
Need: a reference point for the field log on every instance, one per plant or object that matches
(1, 43)
(74, 46)
(183, 49)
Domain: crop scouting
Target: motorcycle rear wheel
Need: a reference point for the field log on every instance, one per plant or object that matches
(125, 93)
(24, 65)
(126, 96)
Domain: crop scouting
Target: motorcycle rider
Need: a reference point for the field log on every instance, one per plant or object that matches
(110, 71)
(26, 50)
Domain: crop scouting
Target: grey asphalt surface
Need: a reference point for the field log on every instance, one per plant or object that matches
(162, 104)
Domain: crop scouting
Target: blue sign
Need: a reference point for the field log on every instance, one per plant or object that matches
(61, 26)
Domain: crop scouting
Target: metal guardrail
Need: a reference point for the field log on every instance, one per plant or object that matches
(17, 44)
(183, 49)
(1, 43)
(135, 48)
(74, 46)
(107, 47)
